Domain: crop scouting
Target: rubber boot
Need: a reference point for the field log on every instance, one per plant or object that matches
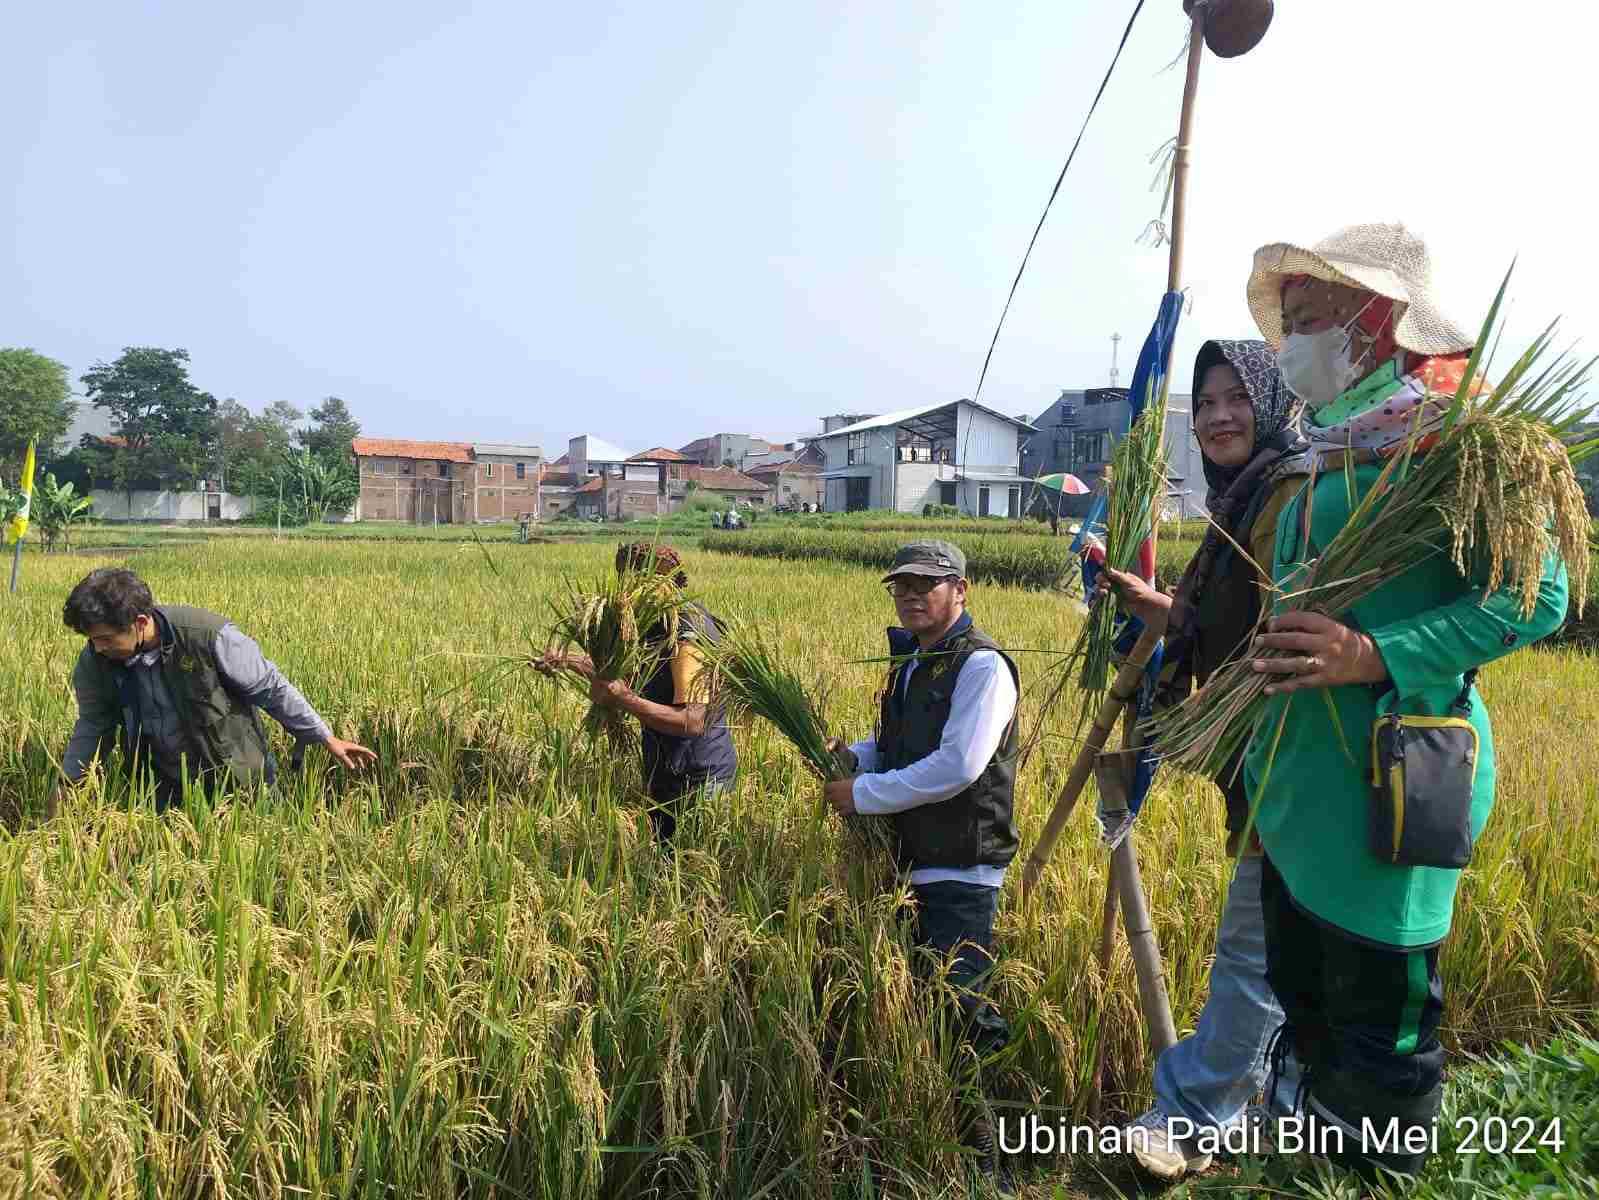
(1383, 1131)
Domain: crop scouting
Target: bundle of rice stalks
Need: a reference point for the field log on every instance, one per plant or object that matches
(1137, 481)
(1490, 485)
(746, 677)
(625, 623)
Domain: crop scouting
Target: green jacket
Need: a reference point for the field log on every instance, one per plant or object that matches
(223, 731)
(1431, 626)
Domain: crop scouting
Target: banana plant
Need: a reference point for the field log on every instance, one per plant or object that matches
(56, 509)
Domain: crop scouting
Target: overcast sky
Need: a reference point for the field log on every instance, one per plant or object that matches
(512, 221)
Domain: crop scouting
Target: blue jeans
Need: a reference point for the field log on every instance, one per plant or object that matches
(958, 918)
(1211, 1076)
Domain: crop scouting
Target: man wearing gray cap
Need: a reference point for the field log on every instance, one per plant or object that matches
(941, 769)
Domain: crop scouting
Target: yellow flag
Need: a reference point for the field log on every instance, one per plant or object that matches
(18, 525)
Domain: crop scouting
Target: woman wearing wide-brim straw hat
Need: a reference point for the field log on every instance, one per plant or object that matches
(1352, 939)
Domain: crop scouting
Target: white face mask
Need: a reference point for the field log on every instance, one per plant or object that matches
(1317, 367)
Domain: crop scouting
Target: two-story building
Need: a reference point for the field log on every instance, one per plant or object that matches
(1077, 433)
(505, 481)
(403, 480)
(956, 453)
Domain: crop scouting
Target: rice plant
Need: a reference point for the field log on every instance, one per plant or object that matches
(625, 623)
(470, 974)
(748, 678)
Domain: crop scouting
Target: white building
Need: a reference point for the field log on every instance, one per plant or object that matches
(588, 455)
(957, 453)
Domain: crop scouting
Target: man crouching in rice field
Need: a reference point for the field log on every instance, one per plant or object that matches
(688, 751)
(181, 686)
(942, 769)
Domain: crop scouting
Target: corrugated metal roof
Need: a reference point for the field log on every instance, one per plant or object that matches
(599, 450)
(790, 465)
(507, 449)
(365, 447)
(911, 414)
(992, 477)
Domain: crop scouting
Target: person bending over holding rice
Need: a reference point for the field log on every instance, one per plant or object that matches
(941, 769)
(688, 750)
(1246, 424)
(181, 688)
(1353, 929)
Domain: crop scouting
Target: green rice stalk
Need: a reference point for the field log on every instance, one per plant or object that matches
(1137, 480)
(748, 678)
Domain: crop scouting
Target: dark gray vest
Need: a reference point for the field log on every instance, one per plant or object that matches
(975, 827)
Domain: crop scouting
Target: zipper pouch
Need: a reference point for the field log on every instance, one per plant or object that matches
(1422, 771)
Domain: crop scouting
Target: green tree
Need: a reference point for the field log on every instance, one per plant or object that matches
(165, 425)
(331, 430)
(35, 401)
(256, 444)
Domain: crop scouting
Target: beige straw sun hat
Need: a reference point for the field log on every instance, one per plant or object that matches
(1386, 259)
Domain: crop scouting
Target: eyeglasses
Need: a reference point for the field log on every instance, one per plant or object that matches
(915, 585)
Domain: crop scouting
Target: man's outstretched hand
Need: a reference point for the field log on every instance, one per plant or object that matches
(350, 755)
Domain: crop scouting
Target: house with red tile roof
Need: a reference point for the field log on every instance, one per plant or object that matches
(406, 480)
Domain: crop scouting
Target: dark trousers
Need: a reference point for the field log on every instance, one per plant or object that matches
(169, 790)
(958, 918)
(671, 803)
(1363, 1022)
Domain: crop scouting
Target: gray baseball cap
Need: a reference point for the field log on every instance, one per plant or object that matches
(936, 559)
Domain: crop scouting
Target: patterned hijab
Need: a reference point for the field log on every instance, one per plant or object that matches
(1275, 406)
(1236, 493)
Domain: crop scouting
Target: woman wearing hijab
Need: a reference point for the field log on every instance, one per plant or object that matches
(1352, 937)
(1244, 419)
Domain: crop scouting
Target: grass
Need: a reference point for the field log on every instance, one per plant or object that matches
(1015, 559)
(471, 974)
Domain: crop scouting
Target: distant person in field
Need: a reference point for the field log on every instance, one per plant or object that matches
(688, 750)
(941, 770)
(180, 688)
(1246, 422)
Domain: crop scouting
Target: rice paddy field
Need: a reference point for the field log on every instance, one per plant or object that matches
(471, 973)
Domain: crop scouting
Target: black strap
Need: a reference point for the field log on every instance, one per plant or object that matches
(1462, 704)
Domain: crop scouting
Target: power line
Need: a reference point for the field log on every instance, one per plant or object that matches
(1055, 191)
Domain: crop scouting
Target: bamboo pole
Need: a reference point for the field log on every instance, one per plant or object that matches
(1122, 690)
(1125, 881)
(1151, 970)
(1107, 947)
(1126, 684)
(1185, 129)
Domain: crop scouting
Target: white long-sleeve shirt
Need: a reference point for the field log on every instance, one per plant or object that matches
(982, 706)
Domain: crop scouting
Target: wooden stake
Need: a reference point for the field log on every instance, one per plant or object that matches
(1107, 947)
(1122, 690)
(1125, 881)
(1141, 940)
(1185, 128)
